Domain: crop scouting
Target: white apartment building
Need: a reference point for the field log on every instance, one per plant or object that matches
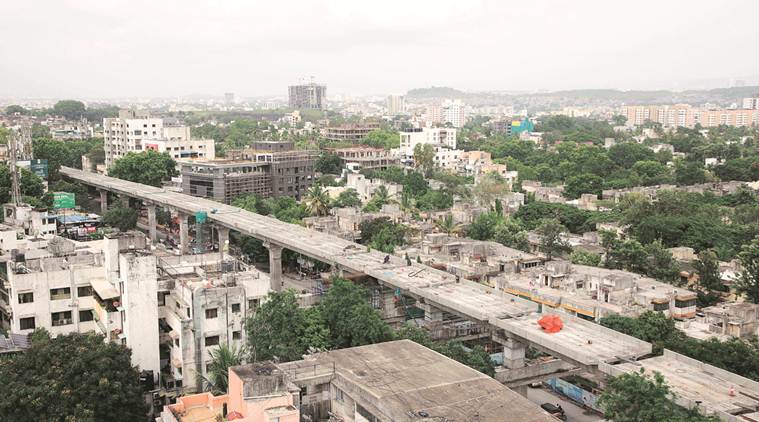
(429, 135)
(449, 111)
(447, 158)
(170, 310)
(751, 103)
(136, 131)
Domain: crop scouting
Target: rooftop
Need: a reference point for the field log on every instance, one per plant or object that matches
(404, 380)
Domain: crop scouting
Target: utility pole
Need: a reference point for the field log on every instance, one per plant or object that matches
(15, 190)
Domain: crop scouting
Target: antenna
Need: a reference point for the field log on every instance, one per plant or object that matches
(15, 191)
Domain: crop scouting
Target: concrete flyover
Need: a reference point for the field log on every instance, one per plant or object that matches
(581, 342)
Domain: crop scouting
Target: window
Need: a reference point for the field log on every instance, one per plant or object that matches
(661, 306)
(85, 315)
(83, 291)
(252, 304)
(212, 313)
(61, 318)
(60, 293)
(162, 298)
(212, 341)
(236, 307)
(27, 323)
(236, 335)
(27, 297)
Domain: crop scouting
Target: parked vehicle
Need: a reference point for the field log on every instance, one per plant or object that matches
(554, 410)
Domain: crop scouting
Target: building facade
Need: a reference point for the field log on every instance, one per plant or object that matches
(350, 132)
(267, 169)
(137, 131)
(396, 104)
(309, 96)
(410, 138)
(684, 115)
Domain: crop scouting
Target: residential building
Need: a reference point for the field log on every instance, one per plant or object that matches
(259, 392)
(751, 103)
(137, 131)
(307, 96)
(268, 169)
(522, 126)
(366, 157)
(366, 187)
(351, 132)
(400, 381)
(170, 310)
(396, 104)
(684, 115)
(451, 112)
(410, 138)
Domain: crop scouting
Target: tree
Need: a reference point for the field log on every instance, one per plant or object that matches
(484, 225)
(223, 358)
(317, 201)
(551, 242)
(619, 120)
(70, 109)
(637, 397)
(123, 218)
(13, 109)
(328, 163)
(278, 329)
(30, 184)
(490, 187)
(584, 183)
(707, 267)
(581, 257)
(73, 377)
(349, 317)
(689, 173)
(447, 225)
(748, 280)
(510, 233)
(380, 197)
(347, 198)
(424, 157)
(382, 139)
(150, 168)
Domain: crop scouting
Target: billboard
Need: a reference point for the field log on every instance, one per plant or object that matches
(64, 200)
(38, 167)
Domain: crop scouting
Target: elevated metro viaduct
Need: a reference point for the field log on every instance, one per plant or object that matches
(512, 321)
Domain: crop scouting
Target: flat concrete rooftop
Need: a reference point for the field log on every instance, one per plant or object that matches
(692, 380)
(402, 378)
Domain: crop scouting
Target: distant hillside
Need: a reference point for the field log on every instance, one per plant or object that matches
(435, 92)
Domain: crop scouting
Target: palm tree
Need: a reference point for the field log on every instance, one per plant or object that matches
(222, 359)
(382, 196)
(447, 225)
(317, 201)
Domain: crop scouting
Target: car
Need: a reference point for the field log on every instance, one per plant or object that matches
(535, 385)
(554, 410)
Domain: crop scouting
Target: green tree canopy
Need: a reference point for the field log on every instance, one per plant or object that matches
(121, 217)
(150, 167)
(70, 109)
(74, 377)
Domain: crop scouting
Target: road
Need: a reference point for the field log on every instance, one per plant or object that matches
(574, 412)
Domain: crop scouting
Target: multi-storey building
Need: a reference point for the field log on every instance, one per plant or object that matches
(366, 157)
(309, 96)
(683, 115)
(751, 103)
(396, 104)
(171, 311)
(265, 168)
(449, 111)
(350, 132)
(410, 138)
(137, 131)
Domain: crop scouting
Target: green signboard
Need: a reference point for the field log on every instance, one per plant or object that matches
(201, 217)
(38, 167)
(63, 200)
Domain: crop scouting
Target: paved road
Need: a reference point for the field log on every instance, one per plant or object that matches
(574, 412)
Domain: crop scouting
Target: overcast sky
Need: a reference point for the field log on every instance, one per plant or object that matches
(156, 48)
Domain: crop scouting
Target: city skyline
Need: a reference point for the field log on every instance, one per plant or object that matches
(99, 50)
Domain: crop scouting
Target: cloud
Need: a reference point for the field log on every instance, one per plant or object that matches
(95, 48)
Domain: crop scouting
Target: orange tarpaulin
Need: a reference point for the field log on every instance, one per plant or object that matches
(551, 323)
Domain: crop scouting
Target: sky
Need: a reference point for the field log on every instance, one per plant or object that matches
(158, 48)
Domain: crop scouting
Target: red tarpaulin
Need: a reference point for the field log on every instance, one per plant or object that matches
(551, 323)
